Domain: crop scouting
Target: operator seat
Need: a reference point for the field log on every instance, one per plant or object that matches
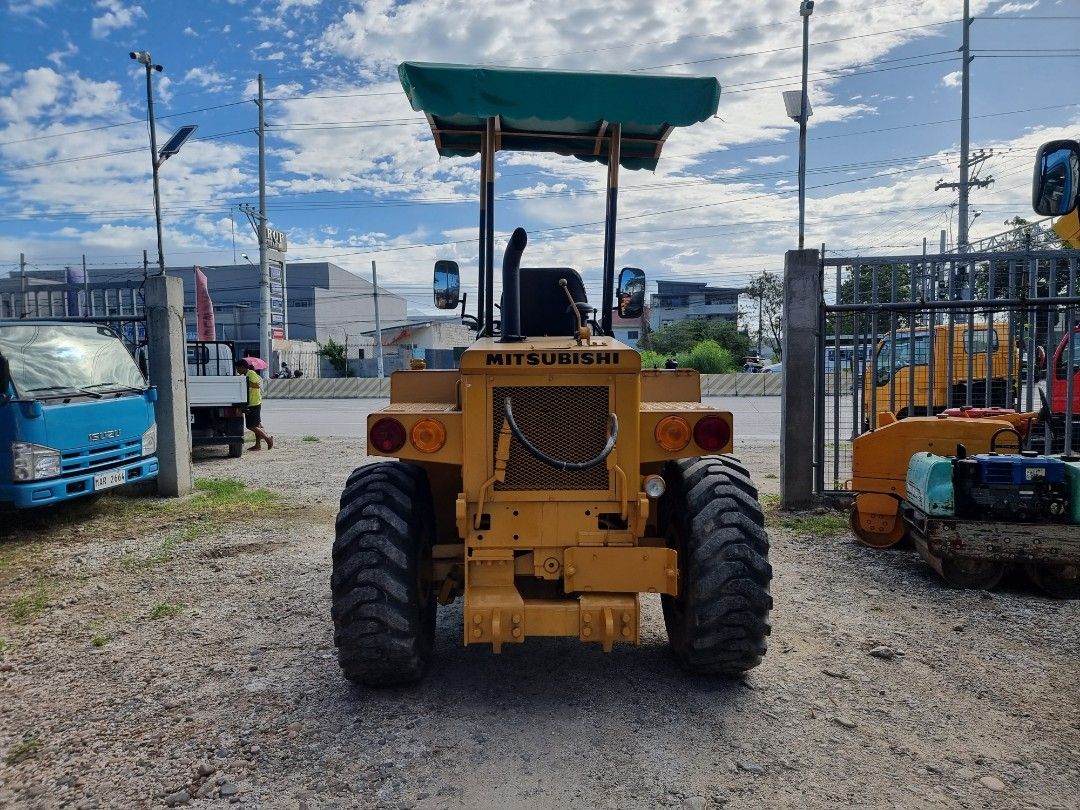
(543, 303)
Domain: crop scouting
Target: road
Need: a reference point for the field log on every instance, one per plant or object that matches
(756, 418)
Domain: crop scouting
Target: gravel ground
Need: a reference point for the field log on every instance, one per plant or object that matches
(206, 676)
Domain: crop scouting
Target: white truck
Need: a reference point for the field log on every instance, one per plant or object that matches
(217, 396)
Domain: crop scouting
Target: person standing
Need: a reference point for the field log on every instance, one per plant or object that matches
(253, 416)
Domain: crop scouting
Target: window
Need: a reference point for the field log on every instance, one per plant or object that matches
(976, 342)
(632, 334)
(919, 355)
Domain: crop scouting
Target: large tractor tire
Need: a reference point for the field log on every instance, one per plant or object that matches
(382, 606)
(719, 622)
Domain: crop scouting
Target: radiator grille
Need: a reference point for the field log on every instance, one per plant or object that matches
(567, 422)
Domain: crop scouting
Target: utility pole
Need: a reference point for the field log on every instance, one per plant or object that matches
(968, 163)
(22, 272)
(378, 323)
(264, 267)
(86, 288)
(144, 58)
(806, 8)
(965, 93)
(760, 326)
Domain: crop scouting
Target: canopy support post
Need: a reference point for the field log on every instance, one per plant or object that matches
(487, 158)
(614, 156)
(481, 262)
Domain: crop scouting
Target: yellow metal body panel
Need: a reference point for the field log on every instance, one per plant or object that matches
(1068, 228)
(901, 383)
(644, 569)
(879, 458)
(508, 544)
(670, 385)
(429, 386)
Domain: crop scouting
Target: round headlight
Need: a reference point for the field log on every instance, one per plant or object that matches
(655, 486)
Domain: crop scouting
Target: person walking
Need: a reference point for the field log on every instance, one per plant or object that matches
(253, 416)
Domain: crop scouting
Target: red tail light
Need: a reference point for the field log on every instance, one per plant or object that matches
(387, 435)
(712, 433)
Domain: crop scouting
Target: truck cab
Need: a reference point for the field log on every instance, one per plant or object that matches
(76, 413)
(984, 349)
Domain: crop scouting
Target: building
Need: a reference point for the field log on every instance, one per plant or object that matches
(678, 300)
(438, 340)
(629, 330)
(322, 301)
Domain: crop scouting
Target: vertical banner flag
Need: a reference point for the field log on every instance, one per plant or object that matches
(75, 276)
(204, 309)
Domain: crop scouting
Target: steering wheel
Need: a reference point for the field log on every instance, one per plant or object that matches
(470, 322)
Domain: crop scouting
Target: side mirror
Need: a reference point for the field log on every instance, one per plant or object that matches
(631, 293)
(1056, 184)
(447, 284)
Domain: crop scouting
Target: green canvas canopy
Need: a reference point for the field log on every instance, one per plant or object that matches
(562, 111)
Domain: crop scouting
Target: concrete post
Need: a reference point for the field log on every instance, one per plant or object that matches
(802, 299)
(167, 355)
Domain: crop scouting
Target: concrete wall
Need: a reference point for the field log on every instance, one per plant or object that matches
(735, 385)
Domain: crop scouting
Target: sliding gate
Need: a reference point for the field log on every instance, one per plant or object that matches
(916, 335)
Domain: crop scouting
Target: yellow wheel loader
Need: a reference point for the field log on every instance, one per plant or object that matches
(549, 481)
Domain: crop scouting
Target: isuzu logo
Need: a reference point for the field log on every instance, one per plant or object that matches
(104, 434)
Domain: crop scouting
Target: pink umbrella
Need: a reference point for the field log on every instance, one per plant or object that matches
(255, 363)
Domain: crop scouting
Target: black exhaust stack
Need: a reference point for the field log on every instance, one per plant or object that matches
(511, 305)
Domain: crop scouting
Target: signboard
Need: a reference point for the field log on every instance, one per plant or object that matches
(278, 292)
(275, 240)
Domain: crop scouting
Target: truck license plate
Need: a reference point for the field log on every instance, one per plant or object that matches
(113, 478)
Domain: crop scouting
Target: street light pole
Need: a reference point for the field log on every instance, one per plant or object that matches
(806, 8)
(144, 58)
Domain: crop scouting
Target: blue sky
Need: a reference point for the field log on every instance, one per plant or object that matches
(353, 174)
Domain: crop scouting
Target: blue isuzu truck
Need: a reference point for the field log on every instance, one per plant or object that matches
(76, 413)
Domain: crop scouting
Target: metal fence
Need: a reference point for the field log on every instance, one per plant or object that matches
(118, 305)
(946, 331)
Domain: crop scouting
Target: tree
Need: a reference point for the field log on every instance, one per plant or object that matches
(684, 335)
(767, 289)
(334, 352)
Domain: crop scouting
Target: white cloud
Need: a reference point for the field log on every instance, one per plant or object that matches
(1014, 8)
(208, 78)
(952, 79)
(30, 6)
(40, 90)
(116, 16)
(276, 56)
(191, 32)
(58, 56)
(767, 160)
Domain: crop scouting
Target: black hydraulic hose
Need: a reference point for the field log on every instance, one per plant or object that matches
(511, 308)
(613, 435)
